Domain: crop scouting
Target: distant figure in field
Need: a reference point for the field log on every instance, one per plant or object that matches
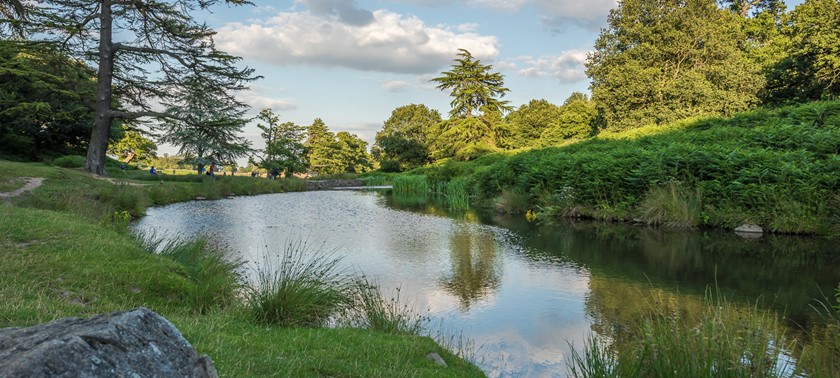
(152, 170)
(254, 173)
(122, 166)
(212, 170)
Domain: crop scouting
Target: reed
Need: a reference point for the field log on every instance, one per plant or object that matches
(303, 286)
(410, 185)
(457, 193)
(371, 310)
(722, 342)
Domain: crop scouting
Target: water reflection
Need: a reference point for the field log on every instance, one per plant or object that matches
(522, 291)
(475, 269)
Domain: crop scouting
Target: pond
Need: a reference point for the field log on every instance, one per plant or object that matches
(522, 292)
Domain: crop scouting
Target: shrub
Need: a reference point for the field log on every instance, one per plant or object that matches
(70, 161)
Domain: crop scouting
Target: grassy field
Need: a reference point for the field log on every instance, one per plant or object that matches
(66, 251)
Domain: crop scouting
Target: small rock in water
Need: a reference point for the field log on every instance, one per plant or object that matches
(749, 231)
(200, 198)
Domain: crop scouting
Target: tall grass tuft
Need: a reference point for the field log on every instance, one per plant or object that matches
(376, 180)
(302, 287)
(457, 193)
(723, 341)
(672, 205)
(821, 356)
(215, 280)
(410, 185)
(374, 312)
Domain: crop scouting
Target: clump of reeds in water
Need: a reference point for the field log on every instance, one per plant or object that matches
(722, 342)
(457, 193)
(412, 185)
(214, 279)
(303, 286)
(373, 311)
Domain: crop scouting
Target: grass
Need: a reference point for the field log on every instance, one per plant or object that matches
(722, 341)
(373, 311)
(410, 185)
(302, 287)
(66, 251)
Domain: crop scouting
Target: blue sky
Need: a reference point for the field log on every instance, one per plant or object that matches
(352, 62)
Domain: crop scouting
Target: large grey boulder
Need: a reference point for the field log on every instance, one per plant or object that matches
(136, 343)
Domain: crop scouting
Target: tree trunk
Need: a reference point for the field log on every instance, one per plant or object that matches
(102, 123)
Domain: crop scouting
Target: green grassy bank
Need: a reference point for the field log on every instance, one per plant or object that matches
(66, 251)
(778, 168)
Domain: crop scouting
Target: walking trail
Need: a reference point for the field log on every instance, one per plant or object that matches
(31, 183)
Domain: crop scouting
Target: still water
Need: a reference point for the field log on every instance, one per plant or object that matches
(522, 292)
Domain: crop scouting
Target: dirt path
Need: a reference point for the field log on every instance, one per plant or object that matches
(31, 183)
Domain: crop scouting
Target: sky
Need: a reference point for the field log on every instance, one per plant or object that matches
(351, 63)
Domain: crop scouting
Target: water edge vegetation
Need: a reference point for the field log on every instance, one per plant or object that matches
(67, 251)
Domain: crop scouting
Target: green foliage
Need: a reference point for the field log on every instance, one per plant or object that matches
(811, 68)
(575, 121)
(475, 89)
(774, 168)
(134, 145)
(284, 149)
(302, 287)
(668, 343)
(208, 125)
(410, 185)
(372, 311)
(42, 102)
(660, 61)
(529, 121)
(331, 153)
(71, 161)
(671, 205)
(215, 280)
(404, 142)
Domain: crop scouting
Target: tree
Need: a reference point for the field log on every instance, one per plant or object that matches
(476, 125)
(530, 121)
(352, 153)
(133, 145)
(43, 109)
(284, 148)
(322, 149)
(14, 14)
(743, 7)
(403, 143)
(658, 61)
(159, 48)
(576, 121)
(811, 69)
(205, 125)
(474, 88)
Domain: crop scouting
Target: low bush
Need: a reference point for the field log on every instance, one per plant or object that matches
(70, 161)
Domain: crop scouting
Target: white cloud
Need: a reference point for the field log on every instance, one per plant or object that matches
(394, 85)
(561, 14)
(258, 102)
(568, 66)
(390, 43)
(505, 5)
